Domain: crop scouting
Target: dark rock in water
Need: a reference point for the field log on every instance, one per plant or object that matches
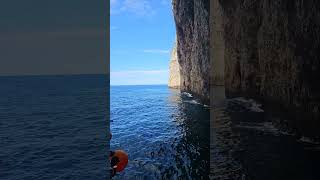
(192, 27)
(272, 52)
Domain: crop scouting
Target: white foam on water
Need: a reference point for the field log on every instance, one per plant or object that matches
(307, 140)
(286, 133)
(249, 104)
(255, 107)
(197, 103)
(270, 127)
(187, 94)
(267, 127)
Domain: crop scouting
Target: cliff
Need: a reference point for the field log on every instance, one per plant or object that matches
(174, 69)
(192, 27)
(271, 51)
(264, 49)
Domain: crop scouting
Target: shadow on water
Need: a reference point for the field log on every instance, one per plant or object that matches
(173, 140)
(191, 151)
(245, 144)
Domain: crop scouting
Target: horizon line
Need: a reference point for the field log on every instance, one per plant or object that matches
(136, 84)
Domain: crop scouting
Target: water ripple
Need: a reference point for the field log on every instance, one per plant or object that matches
(165, 137)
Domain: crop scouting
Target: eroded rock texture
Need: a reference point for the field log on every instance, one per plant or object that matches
(272, 52)
(174, 69)
(192, 26)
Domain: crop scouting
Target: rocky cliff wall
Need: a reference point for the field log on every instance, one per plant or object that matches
(269, 49)
(272, 51)
(192, 27)
(174, 69)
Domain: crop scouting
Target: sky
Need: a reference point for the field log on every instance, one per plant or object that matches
(142, 34)
(53, 37)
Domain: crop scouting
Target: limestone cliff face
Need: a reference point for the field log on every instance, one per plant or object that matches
(269, 49)
(192, 27)
(272, 51)
(174, 69)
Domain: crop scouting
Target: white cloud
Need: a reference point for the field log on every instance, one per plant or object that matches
(112, 2)
(156, 51)
(119, 51)
(113, 5)
(140, 72)
(137, 7)
(114, 28)
(139, 77)
(165, 2)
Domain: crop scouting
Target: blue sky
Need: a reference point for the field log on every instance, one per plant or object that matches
(142, 33)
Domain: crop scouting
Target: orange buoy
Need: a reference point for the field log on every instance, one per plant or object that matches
(123, 159)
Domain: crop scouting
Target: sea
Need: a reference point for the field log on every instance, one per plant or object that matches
(165, 132)
(54, 127)
(248, 142)
(57, 127)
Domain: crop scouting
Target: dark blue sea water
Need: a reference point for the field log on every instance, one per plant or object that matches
(165, 132)
(53, 127)
(248, 143)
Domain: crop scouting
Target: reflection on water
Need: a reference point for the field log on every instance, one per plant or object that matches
(223, 140)
(245, 144)
(165, 132)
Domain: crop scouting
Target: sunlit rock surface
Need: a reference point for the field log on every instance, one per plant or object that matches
(174, 69)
